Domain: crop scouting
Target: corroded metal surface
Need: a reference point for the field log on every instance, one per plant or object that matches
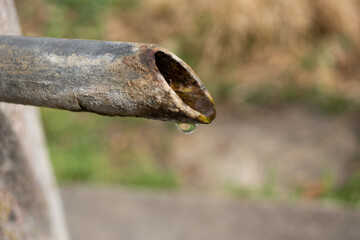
(30, 207)
(109, 78)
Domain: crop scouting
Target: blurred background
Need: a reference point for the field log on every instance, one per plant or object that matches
(285, 77)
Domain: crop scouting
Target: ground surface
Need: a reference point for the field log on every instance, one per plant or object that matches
(106, 214)
(283, 149)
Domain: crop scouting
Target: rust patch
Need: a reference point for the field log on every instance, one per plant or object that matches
(133, 62)
(147, 56)
(147, 59)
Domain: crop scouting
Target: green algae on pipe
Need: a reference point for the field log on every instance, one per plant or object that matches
(108, 78)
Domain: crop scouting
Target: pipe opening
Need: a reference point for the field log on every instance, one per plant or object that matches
(190, 90)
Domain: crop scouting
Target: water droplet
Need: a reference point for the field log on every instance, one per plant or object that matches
(187, 127)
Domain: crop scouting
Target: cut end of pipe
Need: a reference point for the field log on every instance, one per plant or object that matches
(186, 85)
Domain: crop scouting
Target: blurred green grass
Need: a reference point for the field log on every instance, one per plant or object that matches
(82, 150)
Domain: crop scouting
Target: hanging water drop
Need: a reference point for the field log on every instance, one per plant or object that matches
(186, 127)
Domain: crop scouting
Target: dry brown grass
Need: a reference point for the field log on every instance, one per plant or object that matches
(226, 26)
(310, 41)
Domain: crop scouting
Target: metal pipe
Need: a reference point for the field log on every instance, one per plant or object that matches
(108, 78)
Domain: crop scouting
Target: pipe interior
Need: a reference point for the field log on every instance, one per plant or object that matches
(184, 85)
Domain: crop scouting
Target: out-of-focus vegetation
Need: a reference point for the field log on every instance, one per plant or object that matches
(249, 52)
(92, 148)
(307, 43)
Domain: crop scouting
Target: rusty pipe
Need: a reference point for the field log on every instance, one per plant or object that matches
(108, 78)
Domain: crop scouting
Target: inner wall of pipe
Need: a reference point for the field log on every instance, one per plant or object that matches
(184, 85)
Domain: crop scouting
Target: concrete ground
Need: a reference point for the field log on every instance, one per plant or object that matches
(95, 213)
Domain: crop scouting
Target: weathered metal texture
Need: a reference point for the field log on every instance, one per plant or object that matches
(109, 78)
(30, 206)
